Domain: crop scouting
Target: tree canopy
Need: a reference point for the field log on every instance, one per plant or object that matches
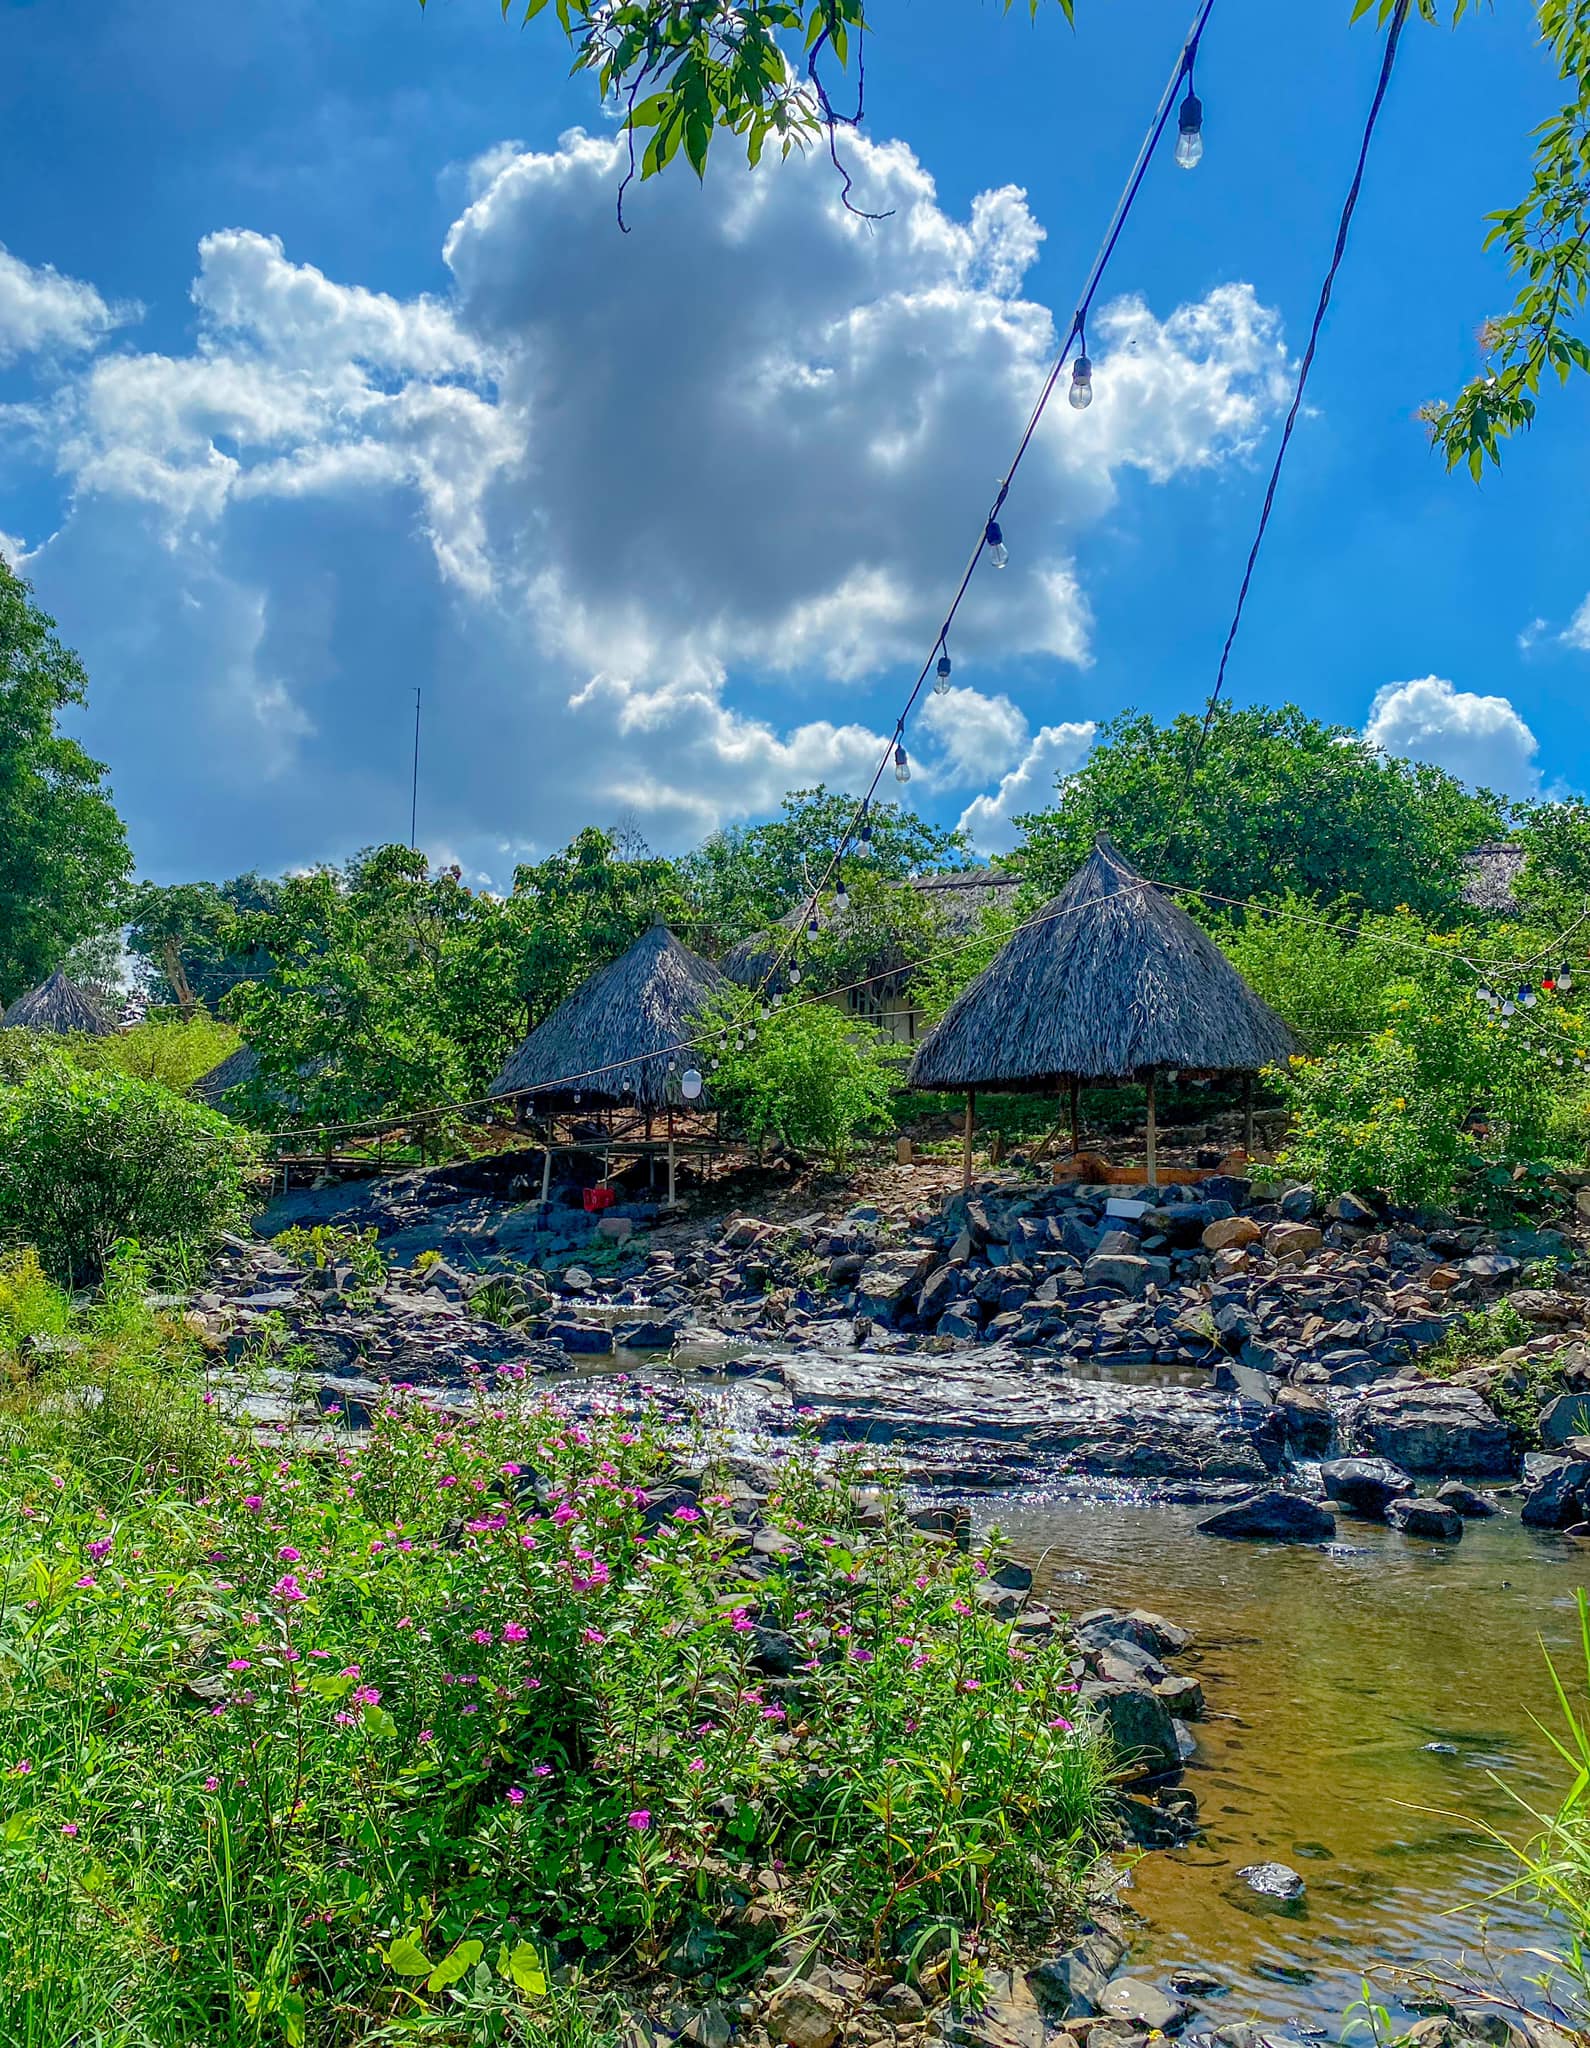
(63, 851)
(1278, 801)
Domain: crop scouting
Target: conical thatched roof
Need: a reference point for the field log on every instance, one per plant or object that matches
(628, 1017)
(1112, 977)
(232, 1072)
(58, 1005)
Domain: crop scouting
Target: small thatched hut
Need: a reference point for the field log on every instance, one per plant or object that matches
(58, 1005)
(1112, 981)
(237, 1068)
(619, 1033)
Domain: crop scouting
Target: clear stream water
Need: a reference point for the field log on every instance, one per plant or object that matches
(1327, 1675)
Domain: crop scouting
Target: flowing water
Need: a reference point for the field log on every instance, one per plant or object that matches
(1329, 1675)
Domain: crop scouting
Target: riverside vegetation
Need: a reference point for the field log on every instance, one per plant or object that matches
(405, 1737)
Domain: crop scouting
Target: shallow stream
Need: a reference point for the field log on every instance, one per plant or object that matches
(1329, 1675)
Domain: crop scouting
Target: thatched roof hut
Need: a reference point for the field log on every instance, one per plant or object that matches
(1112, 980)
(58, 1005)
(238, 1068)
(622, 1026)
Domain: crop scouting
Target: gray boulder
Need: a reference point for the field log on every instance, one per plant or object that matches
(586, 1339)
(1568, 1415)
(1272, 1517)
(1364, 1485)
(1272, 1881)
(1131, 1272)
(1428, 1427)
(1140, 1726)
(888, 1280)
(1429, 1518)
(1140, 2004)
(1475, 1506)
(1557, 1487)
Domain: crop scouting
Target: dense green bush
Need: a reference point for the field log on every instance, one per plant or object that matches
(808, 1077)
(90, 1158)
(175, 1051)
(1439, 1089)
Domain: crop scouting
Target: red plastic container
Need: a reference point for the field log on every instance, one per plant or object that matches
(597, 1199)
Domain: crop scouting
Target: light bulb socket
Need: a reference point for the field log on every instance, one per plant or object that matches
(992, 535)
(1190, 120)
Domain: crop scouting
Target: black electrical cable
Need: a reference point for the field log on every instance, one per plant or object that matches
(1393, 37)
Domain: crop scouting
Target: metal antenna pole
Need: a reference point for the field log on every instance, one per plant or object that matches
(414, 790)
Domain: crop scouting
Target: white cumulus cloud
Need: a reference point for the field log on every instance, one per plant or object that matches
(1577, 631)
(40, 309)
(1053, 751)
(1481, 740)
(638, 514)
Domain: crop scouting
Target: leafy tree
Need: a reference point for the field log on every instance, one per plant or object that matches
(363, 1010)
(1554, 883)
(87, 1159)
(175, 1051)
(1324, 973)
(1279, 801)
(808, 1077)
(578, 909)
(191, 934)
(744, 878)
(936, 985)
(63, 852)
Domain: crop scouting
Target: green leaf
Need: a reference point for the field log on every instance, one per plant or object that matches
(407, 1958)
(451, 1968)
(378, 1722)
(524, 1967)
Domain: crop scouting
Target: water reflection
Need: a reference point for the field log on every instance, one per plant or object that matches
(1361, 1697)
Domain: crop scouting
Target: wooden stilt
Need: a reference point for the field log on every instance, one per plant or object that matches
(1153, 1136)
(966, 1140)
(546, 1169)
(1247, 1114)
(1076, 1115)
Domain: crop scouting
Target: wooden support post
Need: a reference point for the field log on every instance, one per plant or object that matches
(1247, 1114)
(670, 1158)
(1076, 1116)
(546, 1170)
(966, 1140)
(1153, 1136)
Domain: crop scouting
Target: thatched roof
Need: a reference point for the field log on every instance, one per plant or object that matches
(58, 1005)
(956, 897)
(1489, 873)
(234, 1071)
(627, 1018)
(1110, 979)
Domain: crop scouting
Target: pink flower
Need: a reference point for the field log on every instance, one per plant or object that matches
(515, 1632)
(563, 1514)
(481, 1635)
(687, 1514)
(367, 1696)
(211, 1784)
(696, 1763)
(1061, 1724)
(640, 1819)
(543, 1770)
(253, 1502)
(741, 1622)
(239, 1664)
(426, 1735)
(87, 1582)
(100, 1550)
(592, 1635)
(68, 1827)
(515, 1796)
(288, 1589)
(288, 1555)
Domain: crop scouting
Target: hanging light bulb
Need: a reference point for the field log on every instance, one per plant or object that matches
(1081, 383)
(766, 1009)
(576, 1094)
(1509, 1008)
(812, 926)
(1190, 131)
(864, 836)
(1565, 977)
(1547, 983)
(673, 1066)
(841, 895)
(994, 541)
(1487, 997)
(690, 1084)
(794, 970)
(941, 675)
(902, 767)
(1526, 996)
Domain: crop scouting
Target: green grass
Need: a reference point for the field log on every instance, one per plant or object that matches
(325, 1746)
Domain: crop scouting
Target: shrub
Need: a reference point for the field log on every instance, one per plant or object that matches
(176, 1051)
(89, 1158)
(810, 1078)
(1440, 1088)
(324, 1719)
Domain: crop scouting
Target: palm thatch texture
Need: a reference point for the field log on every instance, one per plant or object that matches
(237, 1068)
(1113, 979)
(58, 1005)
(627, 1021)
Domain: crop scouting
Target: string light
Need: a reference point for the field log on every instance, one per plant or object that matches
(841, 894)
(1527, 998)
(866, 829)
(1190, 129)
(690, 1084)
(994, 541)
(1565, 977)
(941, 675)
(902, 767)
(1081, 393)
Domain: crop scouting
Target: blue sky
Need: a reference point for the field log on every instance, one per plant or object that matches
(324, 374)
